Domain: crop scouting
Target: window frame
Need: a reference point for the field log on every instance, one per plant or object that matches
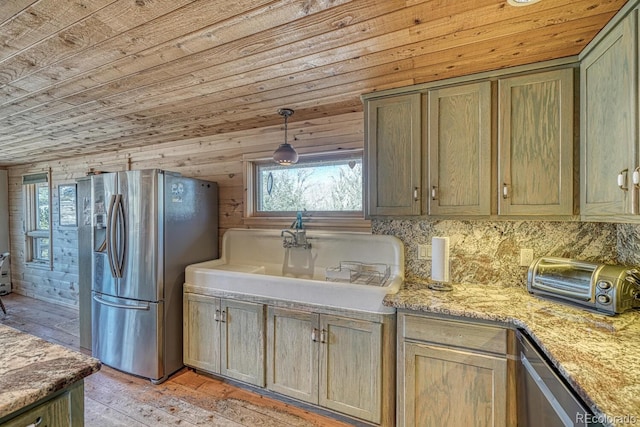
(33, 234)
(335, 220)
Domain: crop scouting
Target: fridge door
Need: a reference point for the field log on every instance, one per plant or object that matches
(127, 335)
(140, 235)
(103, 193)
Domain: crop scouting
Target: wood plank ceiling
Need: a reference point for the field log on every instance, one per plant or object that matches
(86, 76)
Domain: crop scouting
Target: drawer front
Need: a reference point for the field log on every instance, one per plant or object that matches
(55, 412)
(454, 333)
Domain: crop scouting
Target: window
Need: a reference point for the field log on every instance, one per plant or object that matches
(327, 187)
(38, 218)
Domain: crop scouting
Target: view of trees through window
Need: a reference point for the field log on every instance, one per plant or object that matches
(41, 244)
(312, 185)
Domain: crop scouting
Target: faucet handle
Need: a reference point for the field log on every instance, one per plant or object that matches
(298, 224)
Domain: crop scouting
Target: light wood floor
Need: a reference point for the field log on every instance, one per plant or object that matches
(113, 398)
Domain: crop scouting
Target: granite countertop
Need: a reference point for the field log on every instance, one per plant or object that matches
(32, 369)
(599, 355)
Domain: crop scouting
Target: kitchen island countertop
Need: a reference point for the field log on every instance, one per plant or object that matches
(598, 355)
(32, 369)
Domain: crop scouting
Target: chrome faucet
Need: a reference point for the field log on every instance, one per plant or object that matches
(297, 238)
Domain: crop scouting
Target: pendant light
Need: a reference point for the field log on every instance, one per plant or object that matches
(285, 155)
(522, 2)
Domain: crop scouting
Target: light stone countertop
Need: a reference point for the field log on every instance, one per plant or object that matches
(599, 355)
(32, 369)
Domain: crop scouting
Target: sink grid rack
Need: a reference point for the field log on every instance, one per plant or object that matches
(358, 272)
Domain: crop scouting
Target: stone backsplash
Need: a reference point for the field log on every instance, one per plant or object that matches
(489, 251)
(629, 244)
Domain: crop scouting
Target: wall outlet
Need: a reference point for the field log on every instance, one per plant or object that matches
(424, 251)
(526, 257)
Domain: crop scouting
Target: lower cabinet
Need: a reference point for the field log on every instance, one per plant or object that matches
(225, 337)
(331, 361)
(453, 373)
(343, 362)
(63, 409)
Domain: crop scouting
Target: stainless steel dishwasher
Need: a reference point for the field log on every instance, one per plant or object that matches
(544, 399)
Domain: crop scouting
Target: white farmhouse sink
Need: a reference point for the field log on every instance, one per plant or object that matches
(255, 263)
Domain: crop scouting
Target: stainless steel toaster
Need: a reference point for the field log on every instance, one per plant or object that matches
(609, 289)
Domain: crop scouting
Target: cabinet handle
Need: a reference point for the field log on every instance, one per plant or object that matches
(314, 335)
(635, 180)
(434, 192)
(36, 423)
(622, 179)
(505, 190)
(323, 336)
(223, 319)
(216, 316)
(415, 194)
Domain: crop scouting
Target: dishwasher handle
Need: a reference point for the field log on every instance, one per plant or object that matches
(548, 394)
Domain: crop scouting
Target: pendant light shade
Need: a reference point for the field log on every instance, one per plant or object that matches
(285, 155)
(522, 2)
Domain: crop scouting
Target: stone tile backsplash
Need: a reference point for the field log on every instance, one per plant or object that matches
(489, 251)
(629, 244)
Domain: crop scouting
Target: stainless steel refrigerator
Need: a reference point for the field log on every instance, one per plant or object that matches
(148, 225)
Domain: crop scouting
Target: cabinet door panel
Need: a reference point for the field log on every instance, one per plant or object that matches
(351, 367)
(201, 332)
(536, 144)
(460, 150)
(292, 355)
(393, 155)
(608, 119)
(242, 335)
(454, 388)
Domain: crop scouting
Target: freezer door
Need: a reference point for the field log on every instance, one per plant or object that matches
(141, 235)
(103, 191)
(127, 335)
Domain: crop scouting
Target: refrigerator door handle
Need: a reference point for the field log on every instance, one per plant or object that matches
(124, 306)
(122, 235)
(111, 235)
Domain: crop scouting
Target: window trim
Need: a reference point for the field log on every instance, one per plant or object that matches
(345, 221)
(31, 231)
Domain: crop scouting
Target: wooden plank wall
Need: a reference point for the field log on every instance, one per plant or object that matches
(216, 158)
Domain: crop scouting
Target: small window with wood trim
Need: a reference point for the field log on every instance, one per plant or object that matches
(37, 219)
(326, 187)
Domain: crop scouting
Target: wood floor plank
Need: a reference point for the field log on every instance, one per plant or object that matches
(97, 414)
(188, 398)
(148, 403)
(285, 413)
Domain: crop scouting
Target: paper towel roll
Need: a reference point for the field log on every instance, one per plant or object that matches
(440, 259)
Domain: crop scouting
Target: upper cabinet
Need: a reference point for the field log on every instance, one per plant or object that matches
(393, 135)
(459, 150)
(535, 144)
(502, 145)
(609, 124)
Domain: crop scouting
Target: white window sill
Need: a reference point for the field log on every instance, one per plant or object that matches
(39, 265)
